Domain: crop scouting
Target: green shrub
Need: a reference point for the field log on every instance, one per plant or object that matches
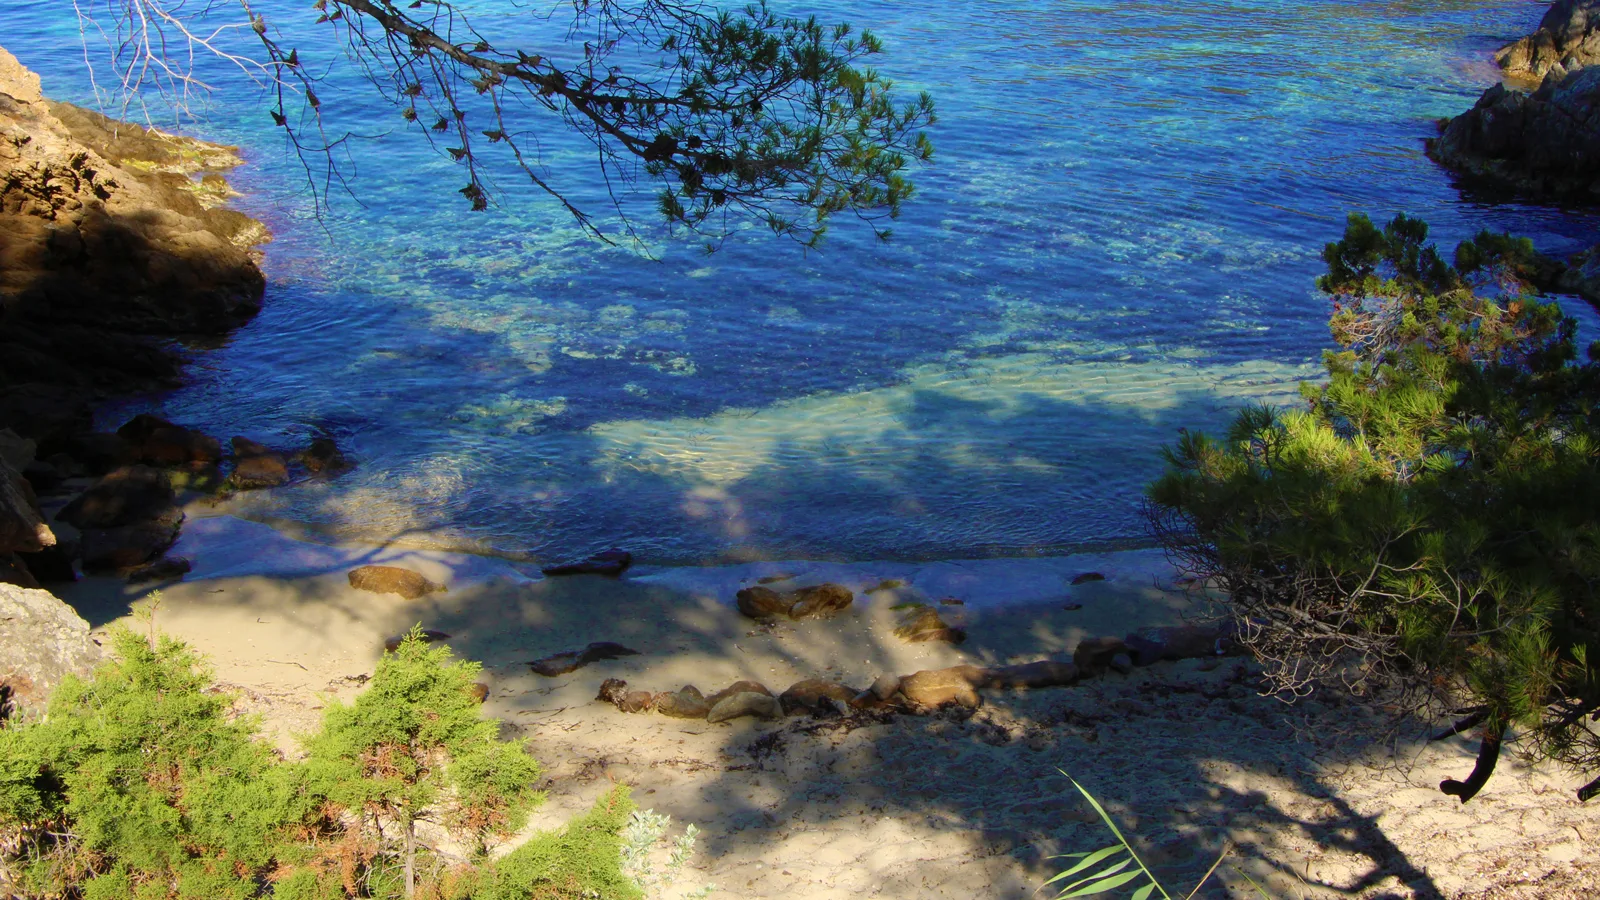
(140, 783)
(1428, 527)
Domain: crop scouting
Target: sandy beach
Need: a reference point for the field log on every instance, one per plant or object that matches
(1186, 755)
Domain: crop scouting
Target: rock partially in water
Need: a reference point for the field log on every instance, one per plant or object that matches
(746, 703)
(572, 660)
(1544, 145)
(42, 640)
(610, 563)
(108, 550)
(122, 497)
(257, 466)
(822, 601)
(158, 442)
(1568, 38)
(324, 457)
(393, 580)
(170, 568)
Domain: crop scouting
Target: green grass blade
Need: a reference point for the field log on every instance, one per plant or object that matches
(1144, 892)
(1110, 884)
(1089, 860)
(1103, 873)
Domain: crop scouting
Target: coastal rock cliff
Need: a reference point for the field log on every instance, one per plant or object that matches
(113, 243)
(1545, 145)
(1568, 38)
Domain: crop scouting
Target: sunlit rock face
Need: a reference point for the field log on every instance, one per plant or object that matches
(1568, 38)
(42, 640)
(109, 235)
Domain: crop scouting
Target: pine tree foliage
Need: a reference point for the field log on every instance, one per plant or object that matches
(142, 783)
(1427, 528)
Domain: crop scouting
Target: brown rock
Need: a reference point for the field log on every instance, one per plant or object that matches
(760, 602)
(1568, 37)
(942, 687)
(479, 691)
(14, 571)
(161, 443)
(98, 453)
(16, 80)
(746, 703)
(924, 624)
(22, 528)
(123, 497)
(571, 660)
(610, 563)
(254, 473)
(637, 702)
(1093, 656)
(323, 457)
(815, 696)
(1086, 577)
(686, 703)
(129, 546)
(612, 690)
(393, 580)
(1041, 674)
(171, 568)
(738, 687)
(823, 601)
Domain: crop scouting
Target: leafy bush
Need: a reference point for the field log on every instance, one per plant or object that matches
(141, 783)
(1426, 528)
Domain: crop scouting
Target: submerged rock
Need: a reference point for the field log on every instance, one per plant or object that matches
(572, 660)
(610, 563)
(393, 580)
(257, 466)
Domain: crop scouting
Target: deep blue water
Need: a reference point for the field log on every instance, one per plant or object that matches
(1118, 239)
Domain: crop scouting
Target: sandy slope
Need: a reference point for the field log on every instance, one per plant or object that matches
(1185, 754)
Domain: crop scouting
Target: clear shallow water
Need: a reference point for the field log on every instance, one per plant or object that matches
(1118, 240)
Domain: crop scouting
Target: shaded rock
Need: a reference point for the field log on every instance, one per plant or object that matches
(746, 703)
(323, 457)
(1093, 656)
(924, 624)
(820, 601)
(479, 691)
(22, 527)
(257, 466)
(170, 568)
(17, 451)
(612, 690)
(127, 495)
(571, 660)
(815, 696)
(42, 640)
(1087, 577)
(885, 687)
(611, 563)
(738, 687)
(637, 702)
(393, 580)
(1545, 145)
(823, 601)
(14, 571)
(53, 565)
(43, 476)
(161, 443)
(760, 602)
(428, 636)
(98, 453)
(934, 688)
(1148, 645)
(1042, 674)
(686, 703)
(129, 546)
(1122, 663)
(1568, 38)
(1582, 275)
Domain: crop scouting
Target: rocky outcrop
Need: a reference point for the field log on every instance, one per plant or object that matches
(113, 241)
(1568, 38)
(1544, 145)
(42, 640)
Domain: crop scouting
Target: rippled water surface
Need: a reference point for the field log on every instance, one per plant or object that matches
(1118, 240)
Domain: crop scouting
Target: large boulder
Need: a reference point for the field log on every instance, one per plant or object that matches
(123, 497)
(1545, 145)
(22, 527)
(126, 547)
(42, 640)
(1568, 38)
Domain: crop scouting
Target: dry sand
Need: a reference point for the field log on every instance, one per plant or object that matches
(1185, 755)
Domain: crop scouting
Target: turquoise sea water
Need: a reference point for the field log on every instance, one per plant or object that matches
(1118, 240)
